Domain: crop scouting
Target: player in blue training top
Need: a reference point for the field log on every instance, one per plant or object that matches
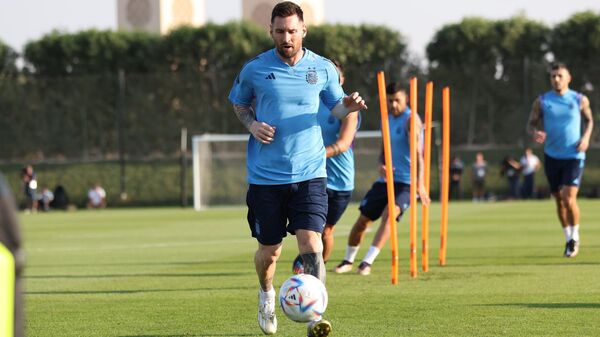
(374, 204)
(286, 156)
(556, 121)
(338, 137)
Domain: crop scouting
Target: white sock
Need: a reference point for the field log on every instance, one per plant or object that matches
(351, 252)
(568, 233)
(575, 235)
(371, 255)
(267, 294)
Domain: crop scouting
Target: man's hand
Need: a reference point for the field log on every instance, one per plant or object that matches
(382, 171)
(263, 132)
(354, 102)
(583, 145)
(539, 136)
(425, 200)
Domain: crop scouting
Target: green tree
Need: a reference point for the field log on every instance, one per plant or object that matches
(93, 52)
(8, 58)
(576, 42)
(465, 56)
(363, 50)
(522, 49)
(494, 69)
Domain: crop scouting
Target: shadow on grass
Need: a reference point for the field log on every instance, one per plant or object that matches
(166, 263)
(133, 291)
(517, 262)
(547, 305)
(203, 335)
(133, 275)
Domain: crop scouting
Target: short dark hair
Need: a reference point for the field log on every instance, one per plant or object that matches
(559, 65)
(285, 9)
(394, 87)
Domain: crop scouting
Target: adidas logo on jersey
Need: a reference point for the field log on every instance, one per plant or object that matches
(271, 76)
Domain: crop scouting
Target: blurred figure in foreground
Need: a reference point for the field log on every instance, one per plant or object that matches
(11, 264)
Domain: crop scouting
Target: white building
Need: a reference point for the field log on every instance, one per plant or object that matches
(259, 11)
(159, 16)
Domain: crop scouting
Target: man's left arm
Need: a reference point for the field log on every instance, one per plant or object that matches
(351, 103)
(586, 113)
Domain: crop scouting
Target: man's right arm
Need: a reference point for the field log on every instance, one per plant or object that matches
(534, 127)
(263, 132)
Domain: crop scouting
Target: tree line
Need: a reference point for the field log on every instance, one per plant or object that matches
(89, 94)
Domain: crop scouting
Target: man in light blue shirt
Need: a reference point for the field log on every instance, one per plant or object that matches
(286, 156)
(373, 205)
(556, 121)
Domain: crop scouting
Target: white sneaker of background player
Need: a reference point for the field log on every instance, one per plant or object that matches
(266, 314)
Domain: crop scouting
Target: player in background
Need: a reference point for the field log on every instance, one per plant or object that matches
(556, 121)
(338, 136)
(374, 204)
(285, 155)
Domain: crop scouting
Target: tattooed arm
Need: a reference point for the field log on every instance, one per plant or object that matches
(263, 132)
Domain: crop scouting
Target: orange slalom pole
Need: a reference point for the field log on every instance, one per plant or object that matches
(445, 173)
(427, 175)
(389, 174)
(413, 177)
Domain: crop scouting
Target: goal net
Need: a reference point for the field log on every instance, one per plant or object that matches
(219, 167)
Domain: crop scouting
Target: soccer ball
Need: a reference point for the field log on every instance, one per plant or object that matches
(303, 298)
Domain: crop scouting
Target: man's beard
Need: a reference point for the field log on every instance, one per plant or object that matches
(287, 53)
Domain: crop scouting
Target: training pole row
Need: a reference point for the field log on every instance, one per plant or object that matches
(427, 123)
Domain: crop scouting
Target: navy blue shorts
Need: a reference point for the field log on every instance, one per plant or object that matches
(337, 203)
(563, 172)
(375, 201)
(275, 210)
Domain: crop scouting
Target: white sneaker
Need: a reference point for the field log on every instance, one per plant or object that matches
(266, 315)
(364, 268)
(343, 267)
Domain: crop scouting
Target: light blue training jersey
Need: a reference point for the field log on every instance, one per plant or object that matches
(399, 139)
(561, 115)
(340, 168)
(287, 98)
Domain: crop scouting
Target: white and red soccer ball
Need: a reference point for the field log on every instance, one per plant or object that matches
(303, 298)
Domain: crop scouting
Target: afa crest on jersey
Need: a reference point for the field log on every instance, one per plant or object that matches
(311, 76)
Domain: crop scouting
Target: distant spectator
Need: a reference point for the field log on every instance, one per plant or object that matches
(61, 199)
(29, 179)
(45, 198)
(510, 169)
(478, 173)
(530, 164)
(96, 197)
(456, 169)
(11, 250)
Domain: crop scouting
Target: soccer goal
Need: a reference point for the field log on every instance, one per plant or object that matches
(219, 167)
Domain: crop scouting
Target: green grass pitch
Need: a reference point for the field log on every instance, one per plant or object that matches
(173, 272)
